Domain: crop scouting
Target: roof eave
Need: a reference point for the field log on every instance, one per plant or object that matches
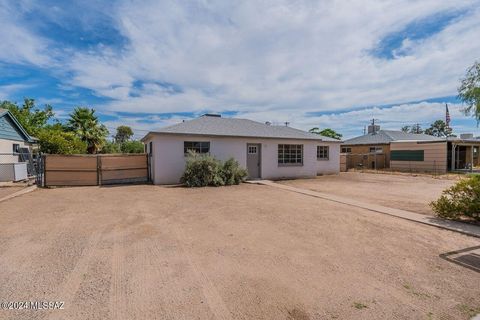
(233, 136)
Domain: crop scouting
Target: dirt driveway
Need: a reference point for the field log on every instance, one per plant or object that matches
(6, 191)
(243, 252)
(406, 192)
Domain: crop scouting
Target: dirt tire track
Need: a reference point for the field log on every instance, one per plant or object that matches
(118, 296)
(214, 300)
(72, 285)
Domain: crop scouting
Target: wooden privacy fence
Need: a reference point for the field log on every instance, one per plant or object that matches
(92, 170)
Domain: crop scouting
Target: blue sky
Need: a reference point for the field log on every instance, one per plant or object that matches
(314, 64)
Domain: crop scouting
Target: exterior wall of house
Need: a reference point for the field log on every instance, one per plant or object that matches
(435, 157)
(6, 150)
(9, 135)
(8, 130)
(168, 159)
(360, 154)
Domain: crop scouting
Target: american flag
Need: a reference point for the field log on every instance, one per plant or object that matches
(447, 115)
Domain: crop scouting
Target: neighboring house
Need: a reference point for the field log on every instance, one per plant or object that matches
(265, 150)
(403, 151)
(14, 140)
(397, 150)
(12, 136)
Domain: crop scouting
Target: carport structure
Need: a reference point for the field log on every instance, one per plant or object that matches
(463, 153)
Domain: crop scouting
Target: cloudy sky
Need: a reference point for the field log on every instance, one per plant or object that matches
(322, 63)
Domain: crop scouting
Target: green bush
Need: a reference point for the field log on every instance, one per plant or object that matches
(232, 173)
(132, 146)
(460, 201)
(204, 170)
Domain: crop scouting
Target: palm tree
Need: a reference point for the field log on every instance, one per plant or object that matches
(85, 124)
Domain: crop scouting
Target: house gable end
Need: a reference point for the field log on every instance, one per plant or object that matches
(10, 130)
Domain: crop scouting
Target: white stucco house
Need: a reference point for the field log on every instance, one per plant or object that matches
(266, 151)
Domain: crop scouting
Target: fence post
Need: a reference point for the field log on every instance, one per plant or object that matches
(99, 170)
(44, 169)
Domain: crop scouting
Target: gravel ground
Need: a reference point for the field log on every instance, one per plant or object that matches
(242, 252)
(406, 192)
(5, 191)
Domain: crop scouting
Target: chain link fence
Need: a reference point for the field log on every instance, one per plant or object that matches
(365, 161)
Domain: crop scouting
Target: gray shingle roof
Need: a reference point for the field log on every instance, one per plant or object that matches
(233, 127)
(387, 136)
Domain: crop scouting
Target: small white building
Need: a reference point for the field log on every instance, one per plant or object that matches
(265, 150)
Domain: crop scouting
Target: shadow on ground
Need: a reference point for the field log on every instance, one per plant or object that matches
(468, 258)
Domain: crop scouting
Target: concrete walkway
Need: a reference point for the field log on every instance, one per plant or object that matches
(18, 193)
(464, 228)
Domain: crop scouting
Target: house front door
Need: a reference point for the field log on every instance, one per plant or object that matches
(253, 160)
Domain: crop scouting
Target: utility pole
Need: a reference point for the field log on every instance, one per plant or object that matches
(416, 128)
(374, 129)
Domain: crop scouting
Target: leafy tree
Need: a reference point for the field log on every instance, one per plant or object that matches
(85, 124)
(469, 91)
(134, 146)
(124, 133)
(111, 147)
(32, 118)
(326, 133)
(55, 141)
(416, 128)
(439, 129)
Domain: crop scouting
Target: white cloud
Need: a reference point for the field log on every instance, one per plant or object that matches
(7, 90)
(277, 55)
(17, 43)
(272, 60)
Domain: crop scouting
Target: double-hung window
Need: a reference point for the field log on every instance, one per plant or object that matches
(290, 154)
(322, 152)
(196, 146)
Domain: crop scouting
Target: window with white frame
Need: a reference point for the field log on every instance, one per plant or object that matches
(322, 152)
(290, 154)
(196, 146)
